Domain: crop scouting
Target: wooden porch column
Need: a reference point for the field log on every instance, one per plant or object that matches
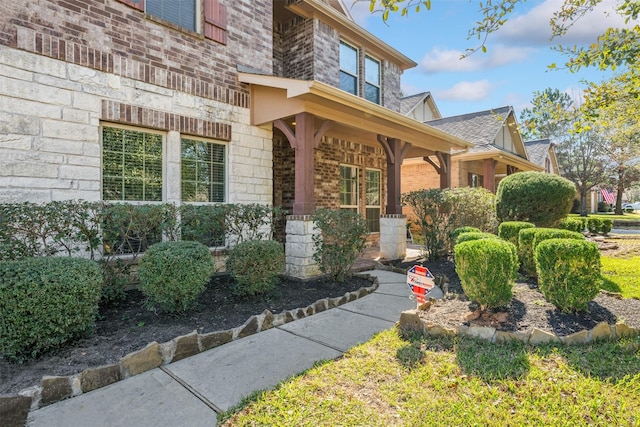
(443, 168)
(489, 175)
(395, 150)
(303, 140)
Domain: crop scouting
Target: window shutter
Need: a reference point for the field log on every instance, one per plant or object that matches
(136, 4)
(215, 21)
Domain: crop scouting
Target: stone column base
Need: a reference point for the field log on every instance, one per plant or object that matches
(393, 236)
(299, 247)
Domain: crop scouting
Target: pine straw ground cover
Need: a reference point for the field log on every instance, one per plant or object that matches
(396, 380)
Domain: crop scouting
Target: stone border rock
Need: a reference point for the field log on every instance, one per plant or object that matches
(410, 320)
(14, 409)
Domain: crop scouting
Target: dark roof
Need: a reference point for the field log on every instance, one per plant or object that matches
(479, 128)
(538, 150)
(408, 103)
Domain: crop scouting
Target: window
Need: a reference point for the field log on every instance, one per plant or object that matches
(132, 165)
(372, 186)
(349, 68)
(372, 80)
(186, 14)
(349, 188)
(181, 13)
(203, 171)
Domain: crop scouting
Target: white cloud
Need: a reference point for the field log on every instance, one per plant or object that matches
(533, 29)
(359, 10)
(438, 60)
(466, 91)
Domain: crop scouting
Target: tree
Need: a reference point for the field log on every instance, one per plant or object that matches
(579, 146)
(549, 117)
(616, 47)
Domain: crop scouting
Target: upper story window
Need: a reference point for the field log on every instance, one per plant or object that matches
(186, 14)
(372, 79)
(349, 68)
(180, 12)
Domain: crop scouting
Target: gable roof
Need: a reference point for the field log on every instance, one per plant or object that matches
(411, 102)
(538, 150)
(479, 128)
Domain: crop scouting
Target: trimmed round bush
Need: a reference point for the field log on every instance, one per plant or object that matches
(474, 235)
(466, 229)
(594, 225)
(173, 274)
(606, 224)
(568, 272)
(540, 198)
(529, 238)
(254, 266)
(572, 224)
(509, 230)
(487, 269)
(46, 302)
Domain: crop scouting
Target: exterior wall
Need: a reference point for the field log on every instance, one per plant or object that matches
(329, 156)
(422, 113)
(326, 54)
(296, 41)
(68, 67)
(391, 86)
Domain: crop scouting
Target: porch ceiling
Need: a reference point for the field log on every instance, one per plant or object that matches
(354, 118)
(502, 158)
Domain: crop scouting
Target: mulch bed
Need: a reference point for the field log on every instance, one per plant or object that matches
(129, 326)
(528, 308)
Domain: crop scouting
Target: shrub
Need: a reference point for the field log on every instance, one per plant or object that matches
(466, 229)
(46, 302)
(473, 235)
(606, 224)
(568, 272)
(251, 221)
(254, 266)
(203, 223)
(540, 198)
(439, 212)
(173, 274)
(487, 270)
(509, 230)
(572, 224)
(342, 236)
(594, 225)
(604, 207)
(576, 206)
(532, 238)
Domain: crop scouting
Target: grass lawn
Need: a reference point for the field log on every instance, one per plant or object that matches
(635, 216)
(395, 381)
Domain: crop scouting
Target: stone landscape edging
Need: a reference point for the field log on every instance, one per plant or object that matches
(14, 409)
(410, 320)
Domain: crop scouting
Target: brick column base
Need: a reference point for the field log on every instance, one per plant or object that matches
(393, 236)
(299, 248)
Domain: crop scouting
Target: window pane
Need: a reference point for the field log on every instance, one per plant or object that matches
(372, 71)
(372, 93)
(373, 220)
(349, 186)
(203, 171)
(348, 59)
(373, 188)
(132, 165)
(180, 12)
(348, 83)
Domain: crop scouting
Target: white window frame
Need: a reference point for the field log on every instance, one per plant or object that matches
(163, 166)
(225, 145)
(355, 173)
(377, 85)
(350, 73)
(370, 206)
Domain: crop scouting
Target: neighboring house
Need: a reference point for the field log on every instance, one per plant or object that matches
(542, 153)
(420, 107)
(287, 103)
(497, 151)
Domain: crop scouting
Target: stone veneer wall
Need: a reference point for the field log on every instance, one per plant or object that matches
(71, 66)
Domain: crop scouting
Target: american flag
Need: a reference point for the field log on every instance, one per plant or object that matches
(608, 196)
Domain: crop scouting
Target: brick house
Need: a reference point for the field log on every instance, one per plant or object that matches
(498, 150)
(279, 102)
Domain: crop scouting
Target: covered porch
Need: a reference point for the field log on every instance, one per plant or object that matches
(308, 114)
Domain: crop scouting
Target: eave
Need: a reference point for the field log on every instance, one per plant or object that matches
(354, 118)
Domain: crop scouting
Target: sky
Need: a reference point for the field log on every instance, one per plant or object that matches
(517, 58)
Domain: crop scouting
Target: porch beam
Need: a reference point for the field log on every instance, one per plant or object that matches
(489, 174)
(395, 150)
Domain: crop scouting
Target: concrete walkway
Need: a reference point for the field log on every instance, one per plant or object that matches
(192, 391)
